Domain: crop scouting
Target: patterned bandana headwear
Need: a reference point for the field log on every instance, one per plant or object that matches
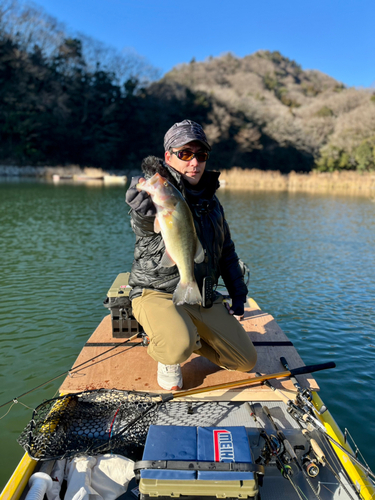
(183, 132)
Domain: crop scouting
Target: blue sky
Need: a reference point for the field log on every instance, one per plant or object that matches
(335, 37)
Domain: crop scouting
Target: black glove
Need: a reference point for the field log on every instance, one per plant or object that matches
(238, 306)
(140, 201)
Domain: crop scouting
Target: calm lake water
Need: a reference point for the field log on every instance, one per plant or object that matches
(312, 266)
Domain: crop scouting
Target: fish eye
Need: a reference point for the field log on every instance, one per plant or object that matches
(165, 183)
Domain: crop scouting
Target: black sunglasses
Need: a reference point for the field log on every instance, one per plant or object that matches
(187, 155)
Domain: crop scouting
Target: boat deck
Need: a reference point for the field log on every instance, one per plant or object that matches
(128, 367)
(109, 363)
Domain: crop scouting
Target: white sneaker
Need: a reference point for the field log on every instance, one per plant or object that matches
(170, 377)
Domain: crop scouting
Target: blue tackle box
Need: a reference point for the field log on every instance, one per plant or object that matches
(195, 462)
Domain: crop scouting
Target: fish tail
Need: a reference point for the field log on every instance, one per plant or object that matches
(187, 293)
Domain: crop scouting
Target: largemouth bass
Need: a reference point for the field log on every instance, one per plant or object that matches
(175, 222)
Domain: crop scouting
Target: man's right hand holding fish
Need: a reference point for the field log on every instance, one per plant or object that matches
(183, 245)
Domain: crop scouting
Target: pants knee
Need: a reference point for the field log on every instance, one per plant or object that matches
(249, 362)
(182, 351)
(244, 364)
(177, 353)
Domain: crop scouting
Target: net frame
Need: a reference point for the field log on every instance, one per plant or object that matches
(91, 423)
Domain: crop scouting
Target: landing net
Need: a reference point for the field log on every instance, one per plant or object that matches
(93, 422)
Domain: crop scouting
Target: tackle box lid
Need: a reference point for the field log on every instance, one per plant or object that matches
(120, 287)
(169, 442)
(225, 444)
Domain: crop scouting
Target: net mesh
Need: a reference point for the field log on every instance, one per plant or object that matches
(93, 422)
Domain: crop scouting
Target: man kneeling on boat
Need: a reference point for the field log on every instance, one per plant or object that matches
(182, 314)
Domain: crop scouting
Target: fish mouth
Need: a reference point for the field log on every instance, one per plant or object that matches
(155, 179)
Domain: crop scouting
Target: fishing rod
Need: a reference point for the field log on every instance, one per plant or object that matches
(259, 379)
(316, 449)
(303, 415)
(274, 447)
(281, 436)
(311, 422)
(304, 394)
(139, 415)
(310, 468)
(279, 433)
(292, 453)
(288, 447)
(72, 370)
(164, 398)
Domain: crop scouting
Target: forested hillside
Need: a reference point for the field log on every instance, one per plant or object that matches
(68, 99)
(274, 115)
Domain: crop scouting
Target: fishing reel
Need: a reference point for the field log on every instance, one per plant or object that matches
(295, 411)
(310, 466)
(275, 445)
(272, 448)
(274, 452)
(145, 339)
(285, 469)
(304, 400)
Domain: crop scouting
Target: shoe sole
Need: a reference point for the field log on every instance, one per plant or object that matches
(174, 388)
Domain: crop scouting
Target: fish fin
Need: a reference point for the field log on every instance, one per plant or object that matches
(167, 260)
(187, 293)
(199, 254)
(157, 228)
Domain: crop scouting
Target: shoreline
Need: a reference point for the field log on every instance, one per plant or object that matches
(347, 182)
(343, 182)
(47, 172)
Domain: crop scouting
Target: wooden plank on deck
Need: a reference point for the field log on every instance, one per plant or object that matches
(130, 368)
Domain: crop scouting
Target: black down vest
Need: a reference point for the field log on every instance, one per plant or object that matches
(211, 227)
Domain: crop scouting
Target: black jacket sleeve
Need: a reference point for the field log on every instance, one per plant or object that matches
(140, 201)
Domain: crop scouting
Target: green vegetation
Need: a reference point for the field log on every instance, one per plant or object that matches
(67, 99)
(361, 158)
(324, 112)
(364, 155)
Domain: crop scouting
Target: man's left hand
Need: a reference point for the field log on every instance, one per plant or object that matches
(237, 309)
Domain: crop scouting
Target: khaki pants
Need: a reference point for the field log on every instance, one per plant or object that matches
(176, 332)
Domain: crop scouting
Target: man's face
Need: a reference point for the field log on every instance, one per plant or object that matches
(191, 170)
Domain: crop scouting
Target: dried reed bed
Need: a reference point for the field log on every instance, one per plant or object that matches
(314, 182)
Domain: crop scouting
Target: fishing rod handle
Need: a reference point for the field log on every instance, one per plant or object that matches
(312, 368)
(315, 447)
(285, 364)
(267, 412)
(281, 436)
(251, 410)
(318, 451)
(268, 384)
(289, 449)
